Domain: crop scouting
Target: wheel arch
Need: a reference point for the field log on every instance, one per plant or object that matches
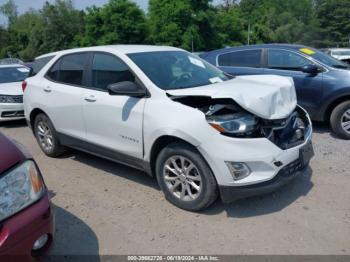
(160, 143)
(32, 116)
(334, 104)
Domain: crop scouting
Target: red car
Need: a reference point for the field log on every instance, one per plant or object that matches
(26, 216)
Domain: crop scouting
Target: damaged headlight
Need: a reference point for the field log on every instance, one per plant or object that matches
(235, 124)
(19, 188)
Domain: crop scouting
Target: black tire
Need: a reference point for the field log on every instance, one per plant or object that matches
(209, 189)
(336, 120)
(57, 149)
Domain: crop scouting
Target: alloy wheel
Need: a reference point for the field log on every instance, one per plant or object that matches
(182, 178)
(345, 121)
(45, 136)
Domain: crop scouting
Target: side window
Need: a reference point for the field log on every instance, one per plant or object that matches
(285, 60)
(39, 64)
(72, 68)
(246, 58)
(53, 72)
(108, 69)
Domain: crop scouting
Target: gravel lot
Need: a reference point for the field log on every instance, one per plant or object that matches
(106, 208)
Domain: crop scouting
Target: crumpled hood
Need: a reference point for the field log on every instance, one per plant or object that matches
(266, 96)
(14, 88)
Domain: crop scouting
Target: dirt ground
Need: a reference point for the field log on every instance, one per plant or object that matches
(106, 208)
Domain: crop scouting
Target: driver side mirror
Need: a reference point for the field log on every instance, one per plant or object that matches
(126, 88)
(310, 69)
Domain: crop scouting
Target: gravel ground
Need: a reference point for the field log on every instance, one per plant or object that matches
(106, 208)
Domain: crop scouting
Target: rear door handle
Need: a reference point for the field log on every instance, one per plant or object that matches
(47, 89)
(90, 98)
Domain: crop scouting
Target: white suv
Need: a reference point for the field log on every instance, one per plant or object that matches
(163, 110)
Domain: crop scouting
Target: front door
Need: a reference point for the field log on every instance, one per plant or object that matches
(112, 122)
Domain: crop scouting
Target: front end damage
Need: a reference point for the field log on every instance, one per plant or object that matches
(231, 120)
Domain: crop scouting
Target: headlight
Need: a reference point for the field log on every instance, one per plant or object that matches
(236, 124)
(19, 188)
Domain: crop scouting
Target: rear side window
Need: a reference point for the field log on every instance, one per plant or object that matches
(285, 60)
(108, 69)
(245, 58)
(69, 69)
(39, 64)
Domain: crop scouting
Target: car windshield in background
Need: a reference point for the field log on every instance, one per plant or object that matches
(177, 70)
(342, 53)
(13, 74)
(324, 58)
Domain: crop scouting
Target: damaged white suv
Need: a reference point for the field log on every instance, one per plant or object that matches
(163, 110)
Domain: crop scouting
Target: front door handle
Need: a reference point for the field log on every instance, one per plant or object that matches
(47, 89)
(90, 98)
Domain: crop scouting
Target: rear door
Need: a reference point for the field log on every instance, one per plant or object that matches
(61, 94)
(112, 122)
(309, 88)
(241, 62)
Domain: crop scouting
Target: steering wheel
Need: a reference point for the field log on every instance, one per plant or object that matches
(181, 79)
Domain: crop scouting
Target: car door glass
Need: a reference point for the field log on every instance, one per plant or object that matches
(285, 60)
(53, 72)
(72, 68)
(108, 69)
(245, 58)
(39, 64)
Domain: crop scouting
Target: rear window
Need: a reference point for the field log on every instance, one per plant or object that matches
(13, 74)
(244, 58)
(39, 64)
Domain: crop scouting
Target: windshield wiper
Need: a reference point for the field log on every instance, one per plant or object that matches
(341, 66)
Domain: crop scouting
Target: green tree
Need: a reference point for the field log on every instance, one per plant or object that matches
(182, 23)
(334, 20)
(9, 9)
(118, 22)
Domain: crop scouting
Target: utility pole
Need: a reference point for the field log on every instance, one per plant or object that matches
(249, 32)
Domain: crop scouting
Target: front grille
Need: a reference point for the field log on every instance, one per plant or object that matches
(11, 99)
(10, 114)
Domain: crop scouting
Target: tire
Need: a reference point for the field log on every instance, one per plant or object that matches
(42, 122)
(198, 176)
(341, 115)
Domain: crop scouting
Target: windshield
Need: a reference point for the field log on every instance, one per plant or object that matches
(324, 58)
(177, 69)
(344, 53)
(13, 74)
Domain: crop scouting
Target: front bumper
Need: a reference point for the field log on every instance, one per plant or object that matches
(11, 111)
(229, 194)
(18, 233)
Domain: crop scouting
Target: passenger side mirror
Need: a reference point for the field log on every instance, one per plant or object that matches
(310, 69)
(126, 88)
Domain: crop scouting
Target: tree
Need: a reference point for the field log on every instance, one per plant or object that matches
(333, 16)
(9, 9)
(118, 22)
(182, 23)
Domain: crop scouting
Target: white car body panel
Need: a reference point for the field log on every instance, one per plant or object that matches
(143, 121)
(267, 96)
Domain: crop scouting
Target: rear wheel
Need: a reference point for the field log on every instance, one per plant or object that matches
(47, 137)
(185, 177)
(340, 120)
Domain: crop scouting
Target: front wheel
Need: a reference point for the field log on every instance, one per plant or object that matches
(340, 120)
(185, 177)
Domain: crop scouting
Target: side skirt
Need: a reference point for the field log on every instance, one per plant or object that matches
(105, 153)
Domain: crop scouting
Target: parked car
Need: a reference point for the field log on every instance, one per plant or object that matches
(11, 94)
(342, 54)
(166, 111)
(322, 82)
(26, 217)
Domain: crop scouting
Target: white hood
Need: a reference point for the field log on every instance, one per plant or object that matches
(14, 88)
(267, 96)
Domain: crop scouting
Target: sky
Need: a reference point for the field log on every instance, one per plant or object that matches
(24, 5)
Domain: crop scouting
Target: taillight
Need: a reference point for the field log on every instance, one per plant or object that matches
(24, 86)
